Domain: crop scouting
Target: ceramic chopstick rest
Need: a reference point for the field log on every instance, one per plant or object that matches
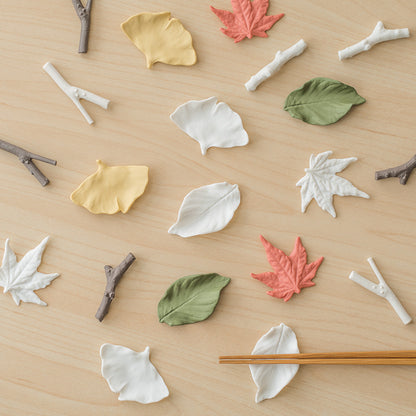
(22, 278)
(402, 172)
(84, 14)
(210, 123)
(160, 38)
(111, 188)
(191, 299)
(206, 210)
(322, 101)
(379, 34)
(383, 290)
(249, 19)
(291, 273)
(75, 93)
(131, 374)
(321, 182)
(271, 379)
(273, 67)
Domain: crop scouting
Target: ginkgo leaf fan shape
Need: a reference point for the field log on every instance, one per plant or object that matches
(111, 188)
(321, 182)
(211, 124)
(291, 273)
(22, 278)
(249, 19)
(270, 379)
(206, 209)
(161, 38)
(131, 374)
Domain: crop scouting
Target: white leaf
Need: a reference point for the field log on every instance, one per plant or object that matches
(321, 183)
(131, 374)
(22, 278)
(210, 124)
(206, 210)
(270, 379)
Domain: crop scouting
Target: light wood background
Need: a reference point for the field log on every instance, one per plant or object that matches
(49, 357)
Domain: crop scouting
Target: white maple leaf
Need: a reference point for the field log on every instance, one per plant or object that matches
(22, 278)
(321, 182)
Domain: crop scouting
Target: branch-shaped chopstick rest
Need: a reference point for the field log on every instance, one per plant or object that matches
(84, 14)
(113, 276)
(382, 290)
(402, 172)
(273, 67)
(27, 159)
(379, 34)
(75, 93)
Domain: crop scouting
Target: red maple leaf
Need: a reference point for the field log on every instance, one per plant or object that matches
(249, 19)
(291, 273)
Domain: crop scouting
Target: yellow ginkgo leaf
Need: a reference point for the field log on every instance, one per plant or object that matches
(160, 38)
(111, 188)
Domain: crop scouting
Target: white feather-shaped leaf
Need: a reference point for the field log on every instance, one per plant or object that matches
(131, 374)
(270, 379)
(22, 278)
(210, 123)
(321, 182)
(206, 210)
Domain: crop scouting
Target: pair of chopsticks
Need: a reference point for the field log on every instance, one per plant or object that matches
(341, 358)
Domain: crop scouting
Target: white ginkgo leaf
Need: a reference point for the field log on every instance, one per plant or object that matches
(270, 379)
(210, 123)
(206, 210)
(321, 183)
(131, 374)
(22, 278)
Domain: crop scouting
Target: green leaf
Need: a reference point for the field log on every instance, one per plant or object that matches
(191, 299)
(322, 101)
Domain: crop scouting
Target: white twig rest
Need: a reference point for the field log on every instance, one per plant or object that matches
(382, 290)
(280, 59)
(380, 34)
(75, 93)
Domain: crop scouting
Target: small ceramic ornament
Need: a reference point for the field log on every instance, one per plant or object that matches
(249, 19)
(131, 374)
(206, 210)
(161, 38)
(21, 278)
(270, 379)
(111, 188)
(321, 182)
(379, 34)
(211, 124)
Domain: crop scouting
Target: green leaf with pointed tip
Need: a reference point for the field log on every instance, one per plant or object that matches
(322, 101)
(191, 299)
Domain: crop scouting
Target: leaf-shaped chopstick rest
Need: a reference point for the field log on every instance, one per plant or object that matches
(191, 299)
(21, 278)
(291, 273)
(271, 379)
(131, 374)
(321, 182)
(206, 210)
(111, 188)
(210, 123)
(161, 38)
(322, 101)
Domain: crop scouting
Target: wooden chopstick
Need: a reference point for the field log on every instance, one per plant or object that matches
(407, 357)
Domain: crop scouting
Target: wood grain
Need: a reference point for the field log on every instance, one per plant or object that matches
(49, 356)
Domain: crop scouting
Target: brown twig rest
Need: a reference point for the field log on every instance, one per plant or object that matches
(84, 14)
(26, 158)
(113, 276)
(402, 172)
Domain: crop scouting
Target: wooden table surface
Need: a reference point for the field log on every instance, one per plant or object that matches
(49, 356)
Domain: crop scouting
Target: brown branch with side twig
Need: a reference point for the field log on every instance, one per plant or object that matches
(84, 14)
(402, 172)
(27, 159)
(113, 276)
